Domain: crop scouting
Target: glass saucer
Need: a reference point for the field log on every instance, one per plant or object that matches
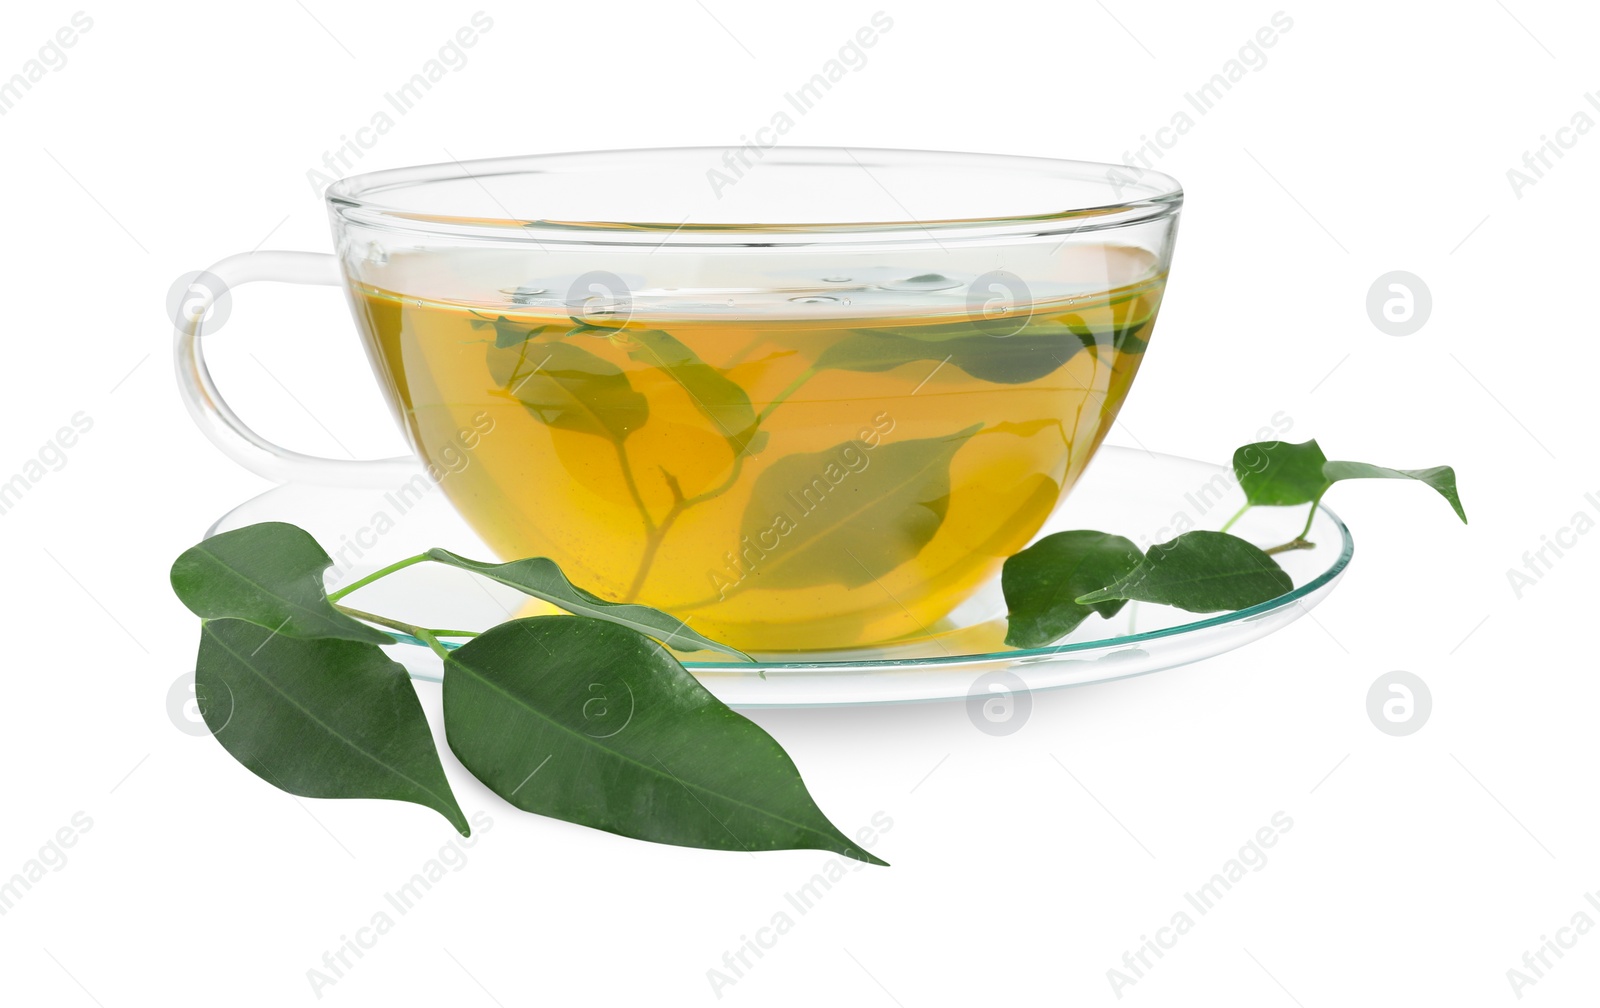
(1145, 496)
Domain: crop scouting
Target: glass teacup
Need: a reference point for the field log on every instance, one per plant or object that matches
(805, 398)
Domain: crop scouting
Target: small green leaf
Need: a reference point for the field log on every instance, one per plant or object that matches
(543, 579)
(570, 388)
(1043, 582)
(1441, 478)
(592, 723)
(851, 513)
(1277, 472)
(719, 398)
(269, 574)
(320, 718)
(1201, 572)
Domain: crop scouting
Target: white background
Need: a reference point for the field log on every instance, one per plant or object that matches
(1376, 137)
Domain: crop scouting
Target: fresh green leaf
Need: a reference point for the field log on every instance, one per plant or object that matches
(849, 514)
(1200, 572)
(1441, 478)
(1279, 473)
(719, 398)
(269, 574)
(590, 722)
(320, 718)
(543, 579)
(1043, 582)
(567, 387)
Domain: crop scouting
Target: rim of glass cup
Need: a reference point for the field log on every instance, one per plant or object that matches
(1134, 195)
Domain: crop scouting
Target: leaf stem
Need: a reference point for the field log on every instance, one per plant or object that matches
(427, 636)
(787, 391)
(375, 575)
(1297, 543)
(1236, 516)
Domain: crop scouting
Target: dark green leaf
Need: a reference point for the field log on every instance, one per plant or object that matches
(1441, 478)
(542, 578)
(1277, 472)
(590, 722)
(570, 388)
(849, 514)
(720, 399)
(269, 574)
(1123, 338)
(1043, 582)
(319, 718)
(1201, 572)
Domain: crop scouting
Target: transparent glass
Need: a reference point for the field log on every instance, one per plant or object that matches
(809, 397)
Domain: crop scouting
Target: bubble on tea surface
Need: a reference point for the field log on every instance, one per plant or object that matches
(837, 279)
(525, 295)
(923, 282)
(815, 299)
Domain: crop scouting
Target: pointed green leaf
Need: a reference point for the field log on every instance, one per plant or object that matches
(320, 718)
(567, 387)
(1043, 582)
(269, 574)
(543, 579)
(1277, 472)
(849, 514)
(590, 722)
(1441, 478)
(719, 398)
(1201, 572)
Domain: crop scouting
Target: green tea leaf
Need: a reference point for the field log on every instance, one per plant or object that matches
(1200, 572)
(849, 514)
(543, 579)
(592, 723)
(1123, 338)
(570, 388)
(508, 333)
(269, 574)
(1277, 472)
(320, 718)
(1025, 356)
(719, 398)
(1043, 582)
(1441, 478)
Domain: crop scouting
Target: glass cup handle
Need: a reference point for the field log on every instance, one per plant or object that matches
(212, 414)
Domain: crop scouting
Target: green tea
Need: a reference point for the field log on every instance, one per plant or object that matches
(812, 478)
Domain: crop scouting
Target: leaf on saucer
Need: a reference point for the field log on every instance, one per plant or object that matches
(269, 574)
(592, 723)
(1441, 478)
(1280, 473)
(320, 718)
(1200, 572)
(542, 578)
(1043, 582)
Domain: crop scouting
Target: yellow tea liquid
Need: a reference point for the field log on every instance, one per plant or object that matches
(781, 482)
